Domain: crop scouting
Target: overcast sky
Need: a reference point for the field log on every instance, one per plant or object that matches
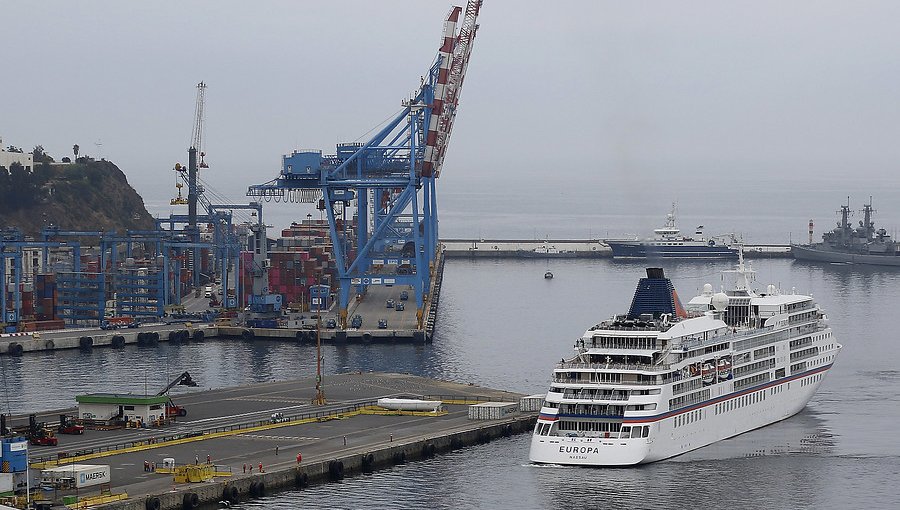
(586, 91)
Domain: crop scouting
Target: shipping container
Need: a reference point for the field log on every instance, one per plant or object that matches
(492, 410)
(531, 403)
(76, 475)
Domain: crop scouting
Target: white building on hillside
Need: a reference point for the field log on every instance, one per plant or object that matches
(26, 159)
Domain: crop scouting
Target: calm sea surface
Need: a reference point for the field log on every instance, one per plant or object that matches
(502, 325)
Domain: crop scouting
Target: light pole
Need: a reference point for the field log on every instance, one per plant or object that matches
(320, 390)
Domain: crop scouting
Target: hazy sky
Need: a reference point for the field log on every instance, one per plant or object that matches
(583, 93)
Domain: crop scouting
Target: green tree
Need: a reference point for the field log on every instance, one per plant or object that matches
(40, 156)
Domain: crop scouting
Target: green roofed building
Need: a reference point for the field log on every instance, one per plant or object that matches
(137, 409)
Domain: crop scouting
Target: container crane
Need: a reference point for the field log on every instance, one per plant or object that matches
(390, 179)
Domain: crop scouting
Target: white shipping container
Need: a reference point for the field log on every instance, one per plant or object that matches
(531, 403)
(84, 475)
(6, 483)
(492, 410)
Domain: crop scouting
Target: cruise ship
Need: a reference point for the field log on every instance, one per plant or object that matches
(669, 242)
(666, 379)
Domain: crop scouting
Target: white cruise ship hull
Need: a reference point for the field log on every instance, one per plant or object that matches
(674, 433)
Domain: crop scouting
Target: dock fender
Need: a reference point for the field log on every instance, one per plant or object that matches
(258, 489)
(428, 450)
(118, 341)
(507, 430)
(49, 345)
(336, 469)
(152, 503)
(231, 494)
(300, 336)
(142, 338)
(419, 336)
(367, 338)
(173, 336)
(301, 480)
(184, 336)
(368, 462)
(153, 337)
(247, 334)
(86, 342)
(191, 500)
(15, 349)
(455, 443)
(400, 458)
(199, 335)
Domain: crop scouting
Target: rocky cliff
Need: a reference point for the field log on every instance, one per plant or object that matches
(87, 195)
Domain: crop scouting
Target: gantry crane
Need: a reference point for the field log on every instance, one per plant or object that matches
(390, 179)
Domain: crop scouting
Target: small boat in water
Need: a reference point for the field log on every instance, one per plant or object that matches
(548, 275)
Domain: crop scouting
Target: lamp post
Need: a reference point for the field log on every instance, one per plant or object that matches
(320, 390)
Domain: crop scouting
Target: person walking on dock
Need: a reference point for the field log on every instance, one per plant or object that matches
(260, 467)
(245, 468)
(208, 459)
(276, 450)
(299, 458)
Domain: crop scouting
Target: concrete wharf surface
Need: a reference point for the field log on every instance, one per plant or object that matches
(334, 440)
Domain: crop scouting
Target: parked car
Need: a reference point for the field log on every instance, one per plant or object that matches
(404, 296)
(331, 324)
(356, 321)
(399, 307)
(389, 303)
(382, 323)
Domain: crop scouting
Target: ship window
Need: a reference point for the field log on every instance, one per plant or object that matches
(646, 431)
(626, 432)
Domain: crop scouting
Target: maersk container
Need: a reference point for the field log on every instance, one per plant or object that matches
(492, 410)
(82, 475)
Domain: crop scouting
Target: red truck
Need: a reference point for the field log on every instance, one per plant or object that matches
(68, 426)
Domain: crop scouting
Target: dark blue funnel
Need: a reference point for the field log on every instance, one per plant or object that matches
(655, 295)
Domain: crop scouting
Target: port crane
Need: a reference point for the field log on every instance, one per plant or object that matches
(387, 184)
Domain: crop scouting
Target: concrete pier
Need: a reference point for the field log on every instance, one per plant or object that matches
(235, 428)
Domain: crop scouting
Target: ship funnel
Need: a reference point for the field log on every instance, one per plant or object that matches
(655, 295)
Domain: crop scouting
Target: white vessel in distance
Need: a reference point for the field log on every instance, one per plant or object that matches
(666, 379)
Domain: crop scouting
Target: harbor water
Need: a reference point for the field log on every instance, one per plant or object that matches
(502, 325)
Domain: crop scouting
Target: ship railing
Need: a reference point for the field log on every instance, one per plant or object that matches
(571, 380)
(593, 396)
(613, 366)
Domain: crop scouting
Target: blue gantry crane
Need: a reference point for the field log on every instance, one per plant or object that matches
(380, 196)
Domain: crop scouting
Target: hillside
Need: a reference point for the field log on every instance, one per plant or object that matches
(87, 195)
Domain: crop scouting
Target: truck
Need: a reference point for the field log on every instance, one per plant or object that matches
(173, 410)
(67, 425)
(75, 476)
